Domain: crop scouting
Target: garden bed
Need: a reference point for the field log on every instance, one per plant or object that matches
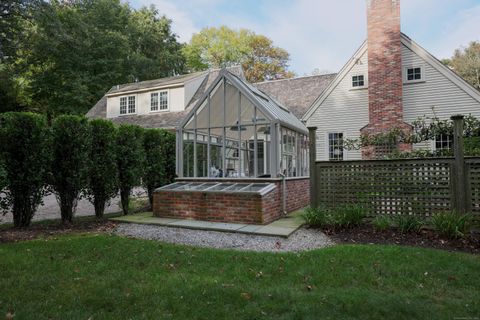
(366, 234)
(50, 228)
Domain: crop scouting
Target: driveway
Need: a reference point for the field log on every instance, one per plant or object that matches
(51, 210)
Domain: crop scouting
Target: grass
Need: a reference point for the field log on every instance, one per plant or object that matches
(109, 277)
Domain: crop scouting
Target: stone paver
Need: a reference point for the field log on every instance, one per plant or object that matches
(282, 227)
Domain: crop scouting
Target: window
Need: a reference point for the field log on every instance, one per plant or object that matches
(414, 74)
(358, 81)
(335, 146)
(123, 105)
(127, 105)
(131, 104)
(443, 142)
(159, 101)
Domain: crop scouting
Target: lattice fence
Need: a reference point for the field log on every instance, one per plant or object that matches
(473, 185)
(420, 186)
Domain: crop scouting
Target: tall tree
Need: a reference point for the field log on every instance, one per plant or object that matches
(466, 62)
(223, 47)
(77, 50)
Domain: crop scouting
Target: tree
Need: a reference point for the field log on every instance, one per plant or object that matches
(130, 159)
(25, 152)
(69, 171)
(466, 62)
(224, 47)
(102, 173)
(159, 166)
(77, 50)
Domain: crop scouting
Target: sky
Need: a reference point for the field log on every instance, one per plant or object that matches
(324, 34)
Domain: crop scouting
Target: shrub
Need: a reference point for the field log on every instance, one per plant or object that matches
(382, 223)
(452, 225)
(130, 160)
(69, 172)
(408, 223)
(348, 216)
(102, 171)
(25, 151)
(316, 217)
(159, 166)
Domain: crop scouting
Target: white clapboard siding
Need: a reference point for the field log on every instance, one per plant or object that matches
(344, 110)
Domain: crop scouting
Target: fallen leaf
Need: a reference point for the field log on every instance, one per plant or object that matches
(246, 295)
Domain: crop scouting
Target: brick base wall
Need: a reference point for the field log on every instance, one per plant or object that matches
(232, 207)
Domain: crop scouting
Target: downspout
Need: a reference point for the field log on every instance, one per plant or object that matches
(284, 193)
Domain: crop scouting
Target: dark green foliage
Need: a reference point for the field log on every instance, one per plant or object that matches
(316, 217)
(452, 225)
(25, 152)
(130, 161)
(102, 172)
(347, 216)
(408, 223)
(77, 50)
(382, 223)
(159, 166)
(70, 150)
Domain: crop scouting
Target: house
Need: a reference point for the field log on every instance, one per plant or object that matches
(160, 103)
(387, 84)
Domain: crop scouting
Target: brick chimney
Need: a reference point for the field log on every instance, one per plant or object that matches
(385, 82)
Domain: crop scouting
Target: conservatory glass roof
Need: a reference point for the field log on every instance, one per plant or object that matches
(228, 187)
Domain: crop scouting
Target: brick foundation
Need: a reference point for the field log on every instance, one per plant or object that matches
(232, 207)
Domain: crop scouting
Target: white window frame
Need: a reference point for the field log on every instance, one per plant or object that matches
(127, 105)
(327, 145)
(405, 74)
(158, 104)
(365, 84)
(448, 141)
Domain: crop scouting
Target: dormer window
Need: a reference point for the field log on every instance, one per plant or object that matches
(414, 74)
(127, 105)
(159, 101)
(358, 81)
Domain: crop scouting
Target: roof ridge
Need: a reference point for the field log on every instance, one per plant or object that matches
(296, 78)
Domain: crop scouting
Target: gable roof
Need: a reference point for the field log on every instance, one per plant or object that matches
(413, 46)
(267, 105)
(297, 94)
(151, 84)
(166, 120)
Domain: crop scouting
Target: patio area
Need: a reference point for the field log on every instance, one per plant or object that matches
(282, 227)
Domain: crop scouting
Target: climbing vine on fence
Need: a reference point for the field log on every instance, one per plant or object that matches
(423, 129)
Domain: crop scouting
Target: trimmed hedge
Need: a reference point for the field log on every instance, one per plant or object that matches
(24, 138)
(130, 161)
(69, 172)
(159, 146)
(75, 157)
(102, 171)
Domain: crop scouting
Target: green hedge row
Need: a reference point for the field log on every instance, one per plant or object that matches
(73, 158)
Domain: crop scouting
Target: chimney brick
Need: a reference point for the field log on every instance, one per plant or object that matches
(385, 82)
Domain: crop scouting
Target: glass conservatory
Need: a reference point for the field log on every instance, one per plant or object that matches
(237, 131)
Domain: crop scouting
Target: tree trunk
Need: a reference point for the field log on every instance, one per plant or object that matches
(125, 200)
(99, 205)
(150, 191)
(66, 209)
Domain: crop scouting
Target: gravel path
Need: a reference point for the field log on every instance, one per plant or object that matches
(51, 210)
(302, 239)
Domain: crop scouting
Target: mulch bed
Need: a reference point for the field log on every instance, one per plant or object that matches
(53, 229)
(366, 234)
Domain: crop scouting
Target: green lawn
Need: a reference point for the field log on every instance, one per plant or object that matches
(109, 277)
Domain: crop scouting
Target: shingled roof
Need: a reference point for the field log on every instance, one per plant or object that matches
(166, 120)
(296, 94)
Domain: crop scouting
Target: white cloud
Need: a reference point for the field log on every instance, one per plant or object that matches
(324, 34)
(182, 24)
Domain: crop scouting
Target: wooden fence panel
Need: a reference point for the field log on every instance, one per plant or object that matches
(420, 186)
(473, 185)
